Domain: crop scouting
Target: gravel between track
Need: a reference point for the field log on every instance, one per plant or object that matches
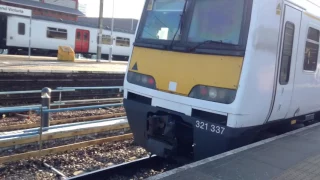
(14, 120)
(73, 162)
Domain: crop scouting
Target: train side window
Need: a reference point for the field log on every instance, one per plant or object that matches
(21, 28)
(286, 53)
(312, 50)
(106, 39)
(86, 37)
(123, 41)
(57, 33)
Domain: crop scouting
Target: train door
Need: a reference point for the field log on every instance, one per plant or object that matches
(82, 41)
(3, 31)
(287, 62)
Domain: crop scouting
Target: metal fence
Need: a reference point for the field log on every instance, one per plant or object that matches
(44, 109)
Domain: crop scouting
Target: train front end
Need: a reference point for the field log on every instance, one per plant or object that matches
(183, 76)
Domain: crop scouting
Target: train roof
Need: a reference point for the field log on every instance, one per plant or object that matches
(310, 6)
(120, 25)
(46, 6)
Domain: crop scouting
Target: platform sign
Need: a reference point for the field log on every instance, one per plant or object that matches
(15, 11)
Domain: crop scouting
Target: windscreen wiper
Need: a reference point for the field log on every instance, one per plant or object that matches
(208, 42)
(180, 23)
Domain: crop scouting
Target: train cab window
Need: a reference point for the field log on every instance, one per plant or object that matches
(312, 50)
(21, 28)
(286, 53)
(123, 41)
(57, 33)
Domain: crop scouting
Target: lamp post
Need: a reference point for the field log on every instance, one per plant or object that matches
(112, 39)
(100, 31)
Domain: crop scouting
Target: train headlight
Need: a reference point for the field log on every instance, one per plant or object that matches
(141, 80)
(220, 95)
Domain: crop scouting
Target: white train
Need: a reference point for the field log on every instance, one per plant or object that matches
(213, 83)
(47, 35)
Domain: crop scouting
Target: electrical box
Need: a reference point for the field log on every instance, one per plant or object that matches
(66, 53)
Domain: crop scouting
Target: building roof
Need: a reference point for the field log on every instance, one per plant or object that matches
(126, 24)
(46, 6)
(120, 25)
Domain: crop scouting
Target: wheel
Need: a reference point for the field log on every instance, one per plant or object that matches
(1, 51)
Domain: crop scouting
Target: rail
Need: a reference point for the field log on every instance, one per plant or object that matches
(45, 111)
(36, 131)
(128, 169)
(33, 91)
(18, 109)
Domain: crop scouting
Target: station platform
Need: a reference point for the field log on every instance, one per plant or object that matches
(294, 155)
(13, 63)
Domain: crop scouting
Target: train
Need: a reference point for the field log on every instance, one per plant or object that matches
(47, 34)
(196, 86)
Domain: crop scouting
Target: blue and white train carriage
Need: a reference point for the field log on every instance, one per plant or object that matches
(206, 76)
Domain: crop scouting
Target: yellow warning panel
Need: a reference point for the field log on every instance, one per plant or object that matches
(66, 53)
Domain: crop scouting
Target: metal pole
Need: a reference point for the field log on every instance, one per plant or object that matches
(29, 51)
(46, 98)
(60, 98)
(100, 31)
(40, 132)
(112, 39)
(132, 24)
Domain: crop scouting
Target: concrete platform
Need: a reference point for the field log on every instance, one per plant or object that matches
(295, 155)
(9, 63)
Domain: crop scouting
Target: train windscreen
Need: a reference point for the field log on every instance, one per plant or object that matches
(190, 22)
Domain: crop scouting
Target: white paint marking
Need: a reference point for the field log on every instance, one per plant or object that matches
(223, 155)
(172, 86)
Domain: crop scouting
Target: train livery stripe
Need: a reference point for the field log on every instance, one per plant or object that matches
(186, 69)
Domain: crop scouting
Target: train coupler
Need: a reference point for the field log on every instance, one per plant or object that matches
(161, 135)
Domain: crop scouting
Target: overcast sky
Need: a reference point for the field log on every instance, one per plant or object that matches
(122, 8)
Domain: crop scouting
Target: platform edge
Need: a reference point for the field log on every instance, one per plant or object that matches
(228, 153)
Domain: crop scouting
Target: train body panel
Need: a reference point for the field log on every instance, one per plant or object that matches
(306, 91)
(48, 35)
(256, 84)
(212, 91)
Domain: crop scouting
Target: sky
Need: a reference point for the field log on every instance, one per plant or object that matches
(122, 8)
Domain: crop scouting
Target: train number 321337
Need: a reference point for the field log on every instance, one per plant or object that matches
(210, 127)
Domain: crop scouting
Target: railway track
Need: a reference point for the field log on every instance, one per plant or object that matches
(140, 168)
(130, 170)
(136, 169)
(15, 81)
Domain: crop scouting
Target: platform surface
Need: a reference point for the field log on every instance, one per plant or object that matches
(10, 63)
(292, 156)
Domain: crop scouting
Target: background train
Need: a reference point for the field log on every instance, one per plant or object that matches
(48, 34)
(199, 86)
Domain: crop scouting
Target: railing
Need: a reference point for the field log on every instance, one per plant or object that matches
(45, 110)
(58, 103)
